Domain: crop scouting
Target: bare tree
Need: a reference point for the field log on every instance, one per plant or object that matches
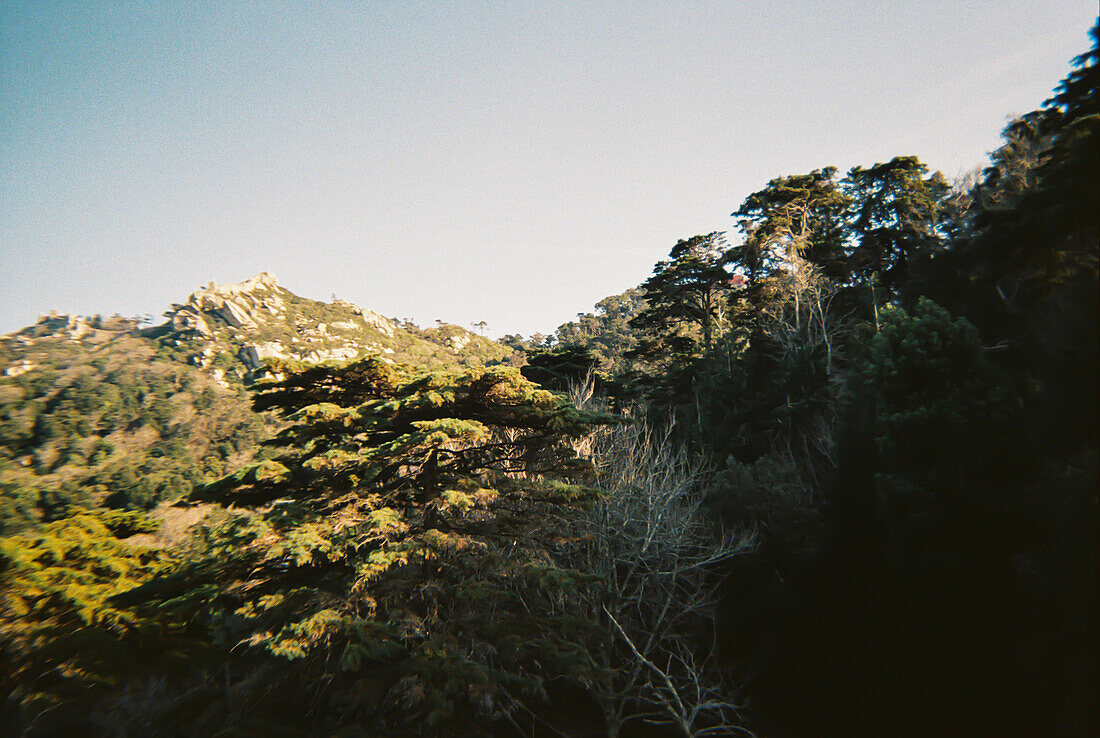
(803, 319)
(804, 329)
(653, 552)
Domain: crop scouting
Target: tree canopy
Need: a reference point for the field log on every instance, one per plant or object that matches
(685, 294)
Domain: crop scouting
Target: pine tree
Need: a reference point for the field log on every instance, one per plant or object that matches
(894, 217)
(793, 218)
(685, 294)
(400, 544)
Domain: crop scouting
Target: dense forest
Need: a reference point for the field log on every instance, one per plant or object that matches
(831, 473)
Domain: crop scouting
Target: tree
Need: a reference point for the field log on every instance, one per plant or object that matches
(894, 215)
(558, 368)
(606, 331)
(59, 627)
(1027, 272)
(686, 291)
(944, 422)
(1014, 166)
(800, 217)
(398, 548)
(1047, 235)
(1068, 178)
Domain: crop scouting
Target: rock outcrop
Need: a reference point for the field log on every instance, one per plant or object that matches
(231, 330)
(256, 321)
(457, 342)
(73, 327)
(254, 355)
(19, 368)
(238, 305)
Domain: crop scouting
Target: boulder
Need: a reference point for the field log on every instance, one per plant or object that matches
(235, 315)
(256, 354)
(381, 324)
(336, 354)
(457, 341)
(187, 319)
(19, 368)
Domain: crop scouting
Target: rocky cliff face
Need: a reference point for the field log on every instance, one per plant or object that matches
(237, 305)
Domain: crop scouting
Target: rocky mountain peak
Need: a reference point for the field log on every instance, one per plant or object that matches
(233, 330)
(240, 305)
(262, 282)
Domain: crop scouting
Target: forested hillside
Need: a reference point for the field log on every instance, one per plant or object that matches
(833, 473)
(117, 412)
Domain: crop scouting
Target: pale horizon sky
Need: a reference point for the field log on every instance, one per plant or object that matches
(506, 162)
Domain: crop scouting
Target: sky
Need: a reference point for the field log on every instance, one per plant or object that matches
(506, 162)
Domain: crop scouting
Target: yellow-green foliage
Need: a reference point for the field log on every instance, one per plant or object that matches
(458, 500)
(264, 471)
(386, 520)
(387, 540)
(301, 544)
(57, 584)
(411, 504)
(447, 430)
(322, 412)
(295, 640)
(68, 571)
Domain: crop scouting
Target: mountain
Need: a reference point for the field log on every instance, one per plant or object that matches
(110, 411)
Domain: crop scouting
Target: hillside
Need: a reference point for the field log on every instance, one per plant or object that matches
(239, 327)
(108, 411)
(833, 476)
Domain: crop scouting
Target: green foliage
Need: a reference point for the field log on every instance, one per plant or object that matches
(769, 494)
(58, 622)
(1026, 273)
(393, 561)
(684, 298)
(606, 333)
(560, 368)
(20, 507)
(946, 428)
(1066, 178)
(446, 345)
(917, 529)
(895, 217)
(110, 424)
(798, 216)
(392, 540)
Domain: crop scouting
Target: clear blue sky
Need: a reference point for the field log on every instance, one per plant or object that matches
(508, 162)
